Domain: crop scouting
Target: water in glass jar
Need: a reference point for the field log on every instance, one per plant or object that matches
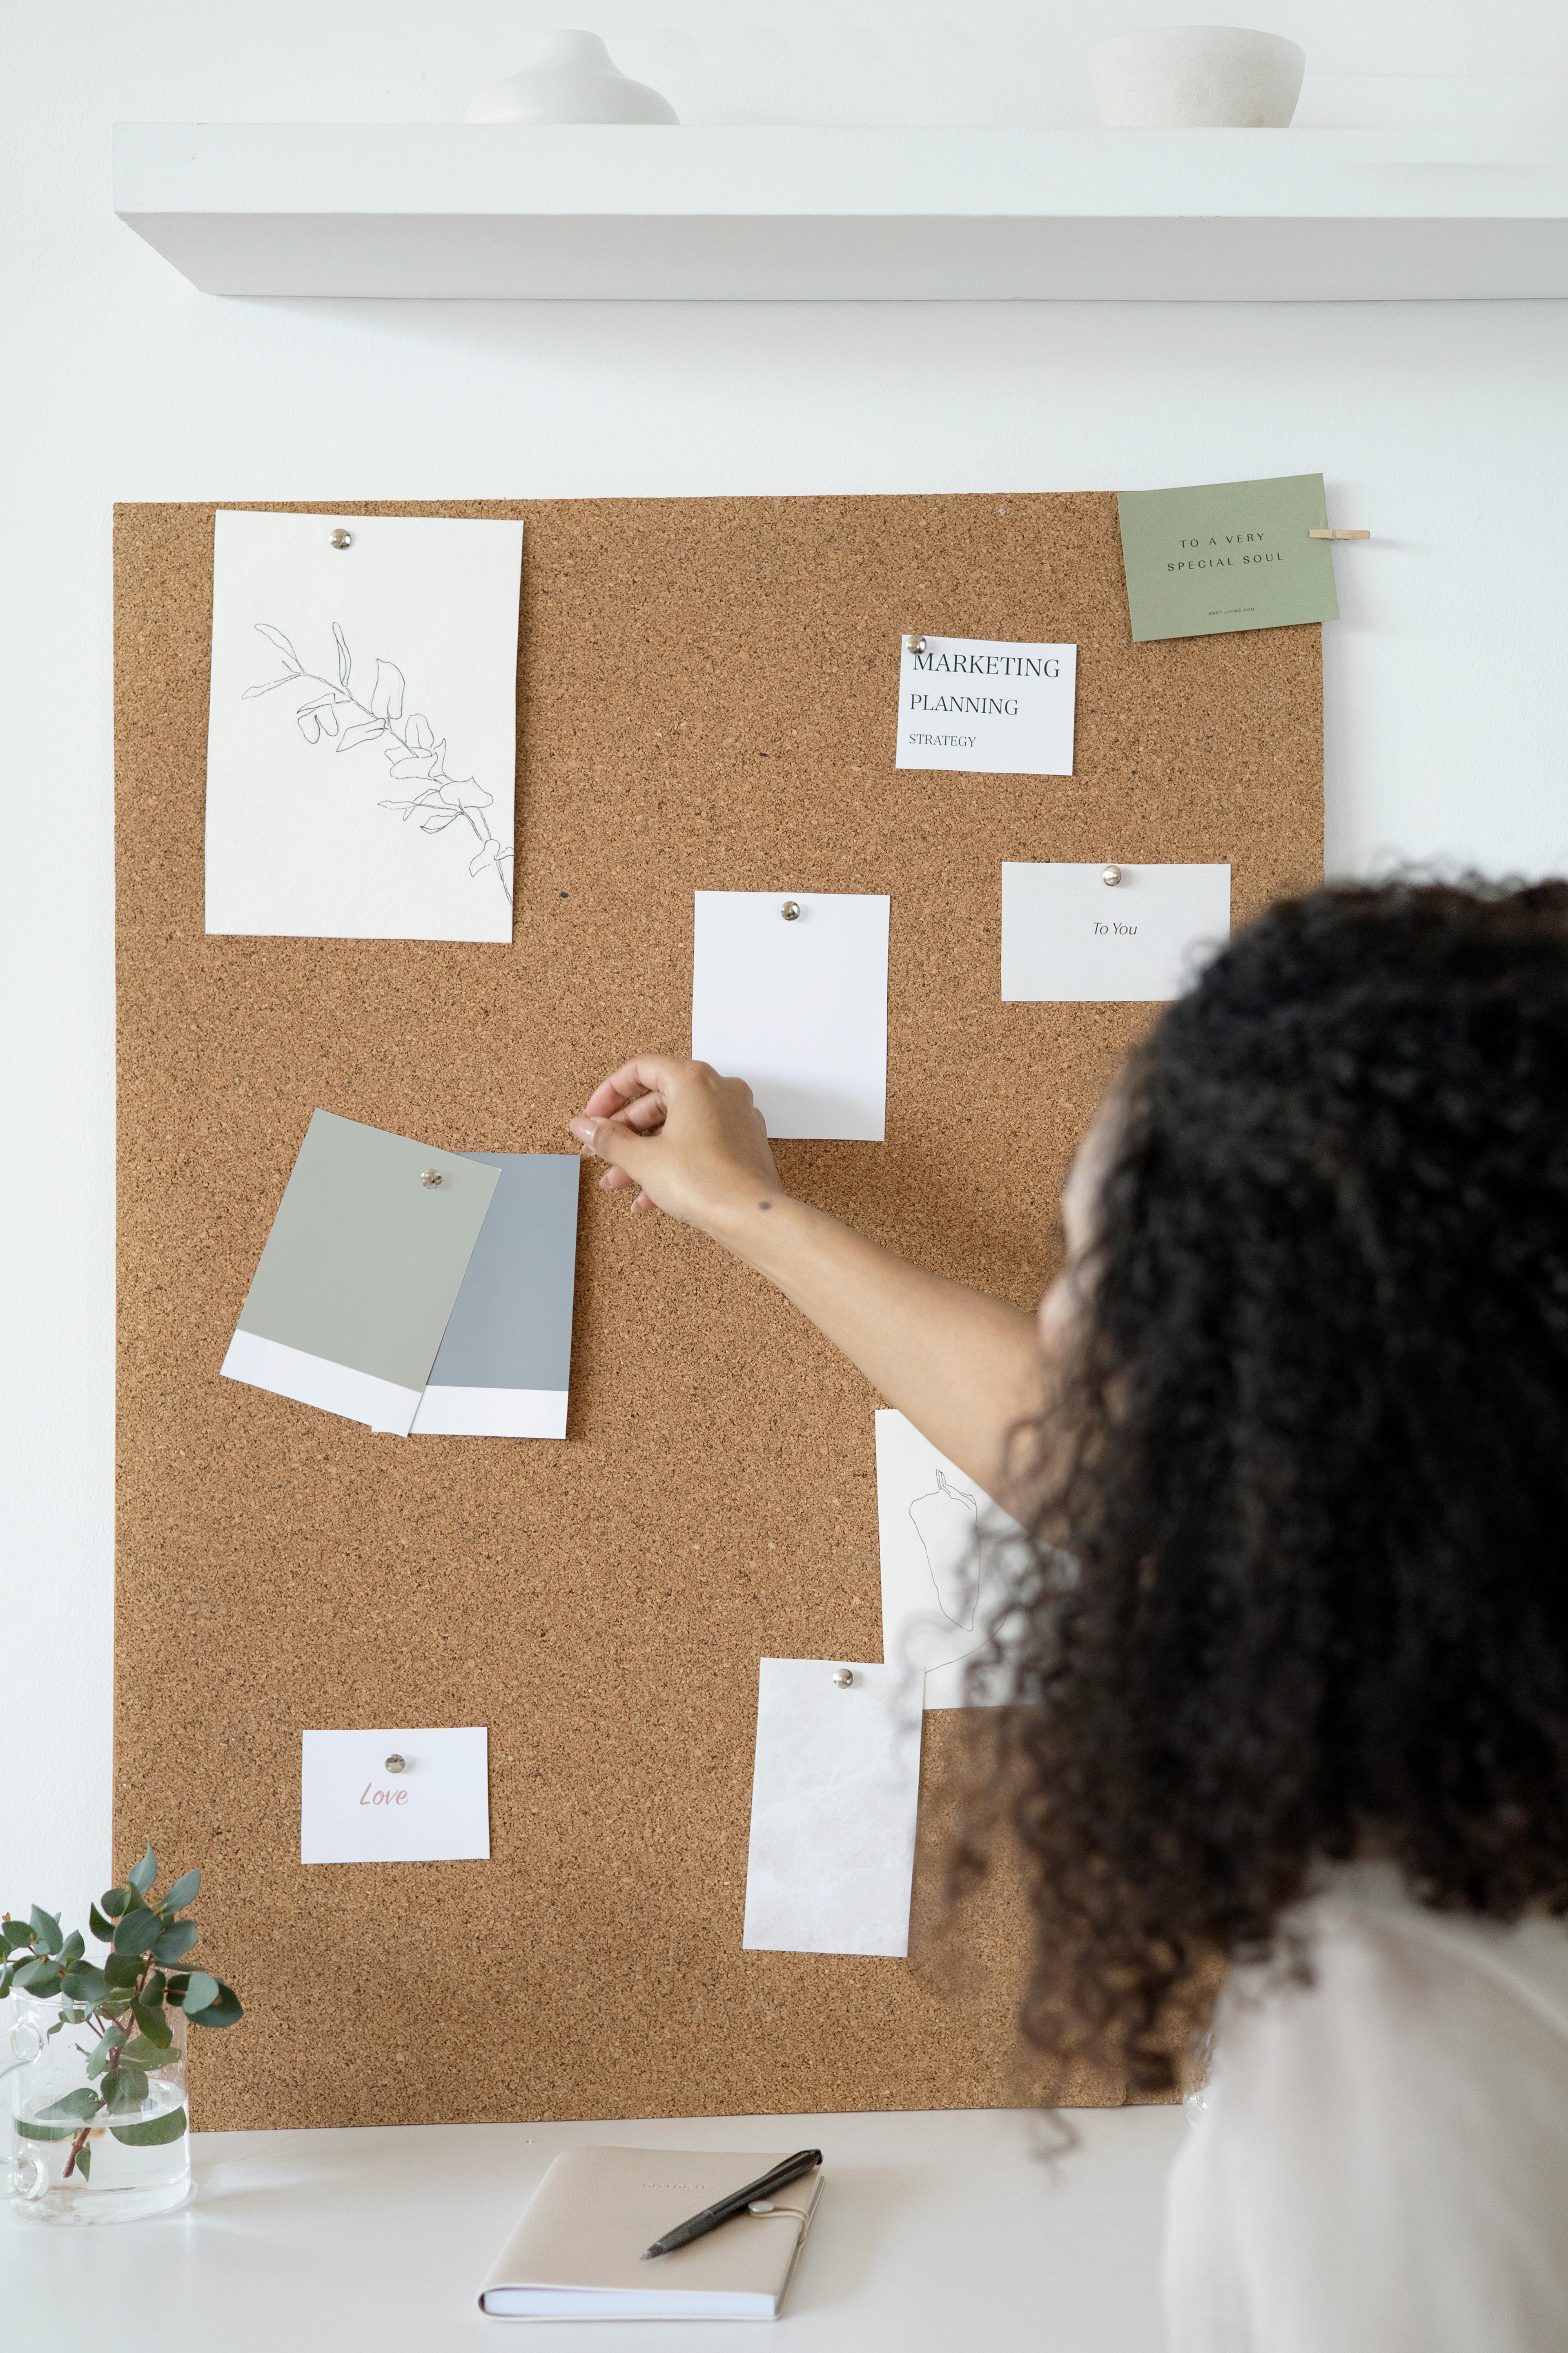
(124, 2184)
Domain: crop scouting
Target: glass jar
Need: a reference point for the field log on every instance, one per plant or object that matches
(111, 2165)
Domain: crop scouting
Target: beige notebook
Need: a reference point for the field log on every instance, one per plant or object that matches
(577, 2253)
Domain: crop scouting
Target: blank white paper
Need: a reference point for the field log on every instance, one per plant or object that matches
(986, 706)
(436, 1809)
(797, 1007)
(1069, 938)
(946, 1549)
(361, 730)
(834, 1793)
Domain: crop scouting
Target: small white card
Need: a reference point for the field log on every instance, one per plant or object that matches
(1069, 938)
(984, 705)
(834, 1794)
(361, 727)
(789, 991)
(945, 1550)
(433, 1808)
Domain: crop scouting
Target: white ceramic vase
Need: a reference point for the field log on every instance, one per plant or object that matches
(1191, 76)
(571, 77)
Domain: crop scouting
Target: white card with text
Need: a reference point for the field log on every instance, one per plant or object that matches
(984, 705)
(789, 991)
(946, 1549)
(420, 1795)
(834, 1794)
(1071, 937)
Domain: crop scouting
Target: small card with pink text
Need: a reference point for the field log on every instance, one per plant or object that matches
(420, 1795)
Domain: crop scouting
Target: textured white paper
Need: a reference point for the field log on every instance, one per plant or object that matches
(453, 1412)
(832, 1852)
(1069, 938)
(945, 1549)
(797, 1008)
(438, 1810)
(368, 793)
(986, 706)
(294, 1373)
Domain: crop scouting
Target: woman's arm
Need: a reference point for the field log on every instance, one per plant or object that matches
(963, 1367)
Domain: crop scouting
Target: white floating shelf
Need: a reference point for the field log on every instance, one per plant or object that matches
(622, 213)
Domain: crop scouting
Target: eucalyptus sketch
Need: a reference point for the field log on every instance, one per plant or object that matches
(338, 715)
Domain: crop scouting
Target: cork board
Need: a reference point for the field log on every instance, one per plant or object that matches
(707, 700)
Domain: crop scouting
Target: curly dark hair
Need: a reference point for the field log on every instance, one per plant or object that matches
(1298, 1588)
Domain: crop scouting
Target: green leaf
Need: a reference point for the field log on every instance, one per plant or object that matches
(121, 1968)
(125, 2088)
(145, 1872)
(183, 1892)
(74, 1946)
(17, 1933)
(156, 2030)
(168, 2127)
(39, 1977)
(81, 2103)
(200, 1990)
(153, 1990)
(115, 1901)
(142, 2052)
(84, 2161)
(176, 1942)
(45, 2132)
(102, 1928)
(46, 1930)
(6, 1974)
(175, 1987)
(83, 1982)
(103, 2052)
(225, 2012)
(138, 1931)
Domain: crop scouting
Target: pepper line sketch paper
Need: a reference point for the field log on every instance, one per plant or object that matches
(1068, 938)
(945, 1550)
(361, 744)
(796, 1005)
(831, 1858)
(360, 1273)
(504, 1361)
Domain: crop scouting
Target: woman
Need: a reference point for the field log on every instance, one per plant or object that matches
(1295, 1456)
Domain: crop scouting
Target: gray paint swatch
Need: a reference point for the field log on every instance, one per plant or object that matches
(511, 1325)
(364, 1261)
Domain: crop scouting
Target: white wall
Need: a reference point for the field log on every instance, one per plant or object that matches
(1441, 428)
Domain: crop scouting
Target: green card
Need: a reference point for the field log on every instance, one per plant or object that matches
(1227, 555)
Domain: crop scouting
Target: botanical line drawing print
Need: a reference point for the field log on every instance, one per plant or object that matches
(946, 1523)
(415, 755)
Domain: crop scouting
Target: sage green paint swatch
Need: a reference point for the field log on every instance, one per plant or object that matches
(365, 1261)
(1227, 555)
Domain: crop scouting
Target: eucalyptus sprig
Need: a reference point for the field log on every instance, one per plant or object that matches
(125, 2002)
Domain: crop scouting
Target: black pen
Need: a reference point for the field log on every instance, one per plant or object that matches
(804, 2160)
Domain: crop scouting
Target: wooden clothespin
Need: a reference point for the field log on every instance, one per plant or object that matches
(1338, 534)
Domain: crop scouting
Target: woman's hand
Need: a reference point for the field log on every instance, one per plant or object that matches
(684, 1139)
(680, 1138)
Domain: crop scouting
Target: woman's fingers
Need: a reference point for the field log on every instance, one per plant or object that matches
(647, 1113)
(678, 1136)
(647, 1074)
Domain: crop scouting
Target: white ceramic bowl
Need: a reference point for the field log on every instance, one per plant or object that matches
(569, 79)
(1187, 77)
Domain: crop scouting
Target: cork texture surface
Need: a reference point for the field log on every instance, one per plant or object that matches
(706, 699)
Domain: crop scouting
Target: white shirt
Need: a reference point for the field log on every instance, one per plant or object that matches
(1381, 2164)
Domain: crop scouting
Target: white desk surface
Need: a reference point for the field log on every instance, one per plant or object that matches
(935, 2230)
